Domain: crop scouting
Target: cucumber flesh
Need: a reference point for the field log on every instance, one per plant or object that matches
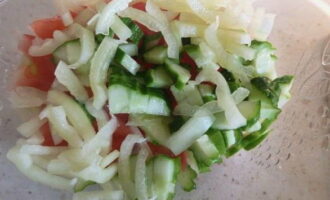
(179, 73)
(158, 78)
(156, 55)
(165, 171)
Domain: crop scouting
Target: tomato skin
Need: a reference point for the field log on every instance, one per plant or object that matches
(121, 132)
(186, 59)
(44, 28)
(39, 73)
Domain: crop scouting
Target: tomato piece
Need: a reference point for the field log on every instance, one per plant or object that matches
(140, 6)
(186, 59)
(44, 28)
(48, 140)
(171, 98)
(183, 158)
(121, 132)
(25, 43)
(39, 73)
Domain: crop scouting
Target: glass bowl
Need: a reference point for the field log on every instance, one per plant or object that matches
(294, 161)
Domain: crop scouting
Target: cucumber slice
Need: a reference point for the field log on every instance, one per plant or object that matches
(126, 61)
(186, 179)
(233, 140)
(189, 94)
(165, 171)
(205, 152)
(137, 33)
(126, 100)
(180, 74)
(156, 55)
(158, 78)
(218, 140)
(250, 110)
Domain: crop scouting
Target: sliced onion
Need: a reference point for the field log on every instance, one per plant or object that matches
(240, 94)
(50, 45)
(225, 59)
(76, 115)
(30, 127)
(140, 174)
(68, 78)
(99, 195)
(172, 42)
(225, 100)
(41, 150)
(175, 6)
(120, 29)
(27, 97)
(191, 18)
(98, 174)
(197, 7)
(141, 17)
(107, 160)
(84, 16)
(124, 171)
(60, 167)
(58, 119)
(100, 115)
(36, 173)
(107, 15)
(99, 70)
(87, 43)
(102, 141)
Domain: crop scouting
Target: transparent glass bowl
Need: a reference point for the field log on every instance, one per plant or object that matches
(293, 163)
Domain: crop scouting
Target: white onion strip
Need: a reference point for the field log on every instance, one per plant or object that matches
(124, 173)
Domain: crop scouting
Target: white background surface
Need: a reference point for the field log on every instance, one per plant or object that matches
(293, 163)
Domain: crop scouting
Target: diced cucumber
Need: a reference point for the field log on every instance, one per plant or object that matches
(156, 127)
(82, 185)
(250, 110)
(151, 41)
(180, 74)
(156, 55)
(130, 49)
(264, 86)
(230, 138)
(186, 179)
(233, 85)
(126, 61)
(137, 33)
(207, 92)
(189, 94)
(205, 152)
(158, 78)
(165, 171)
(233, 140)
(253, 143)
(218, 140)
(126, 100)
(282, 86)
